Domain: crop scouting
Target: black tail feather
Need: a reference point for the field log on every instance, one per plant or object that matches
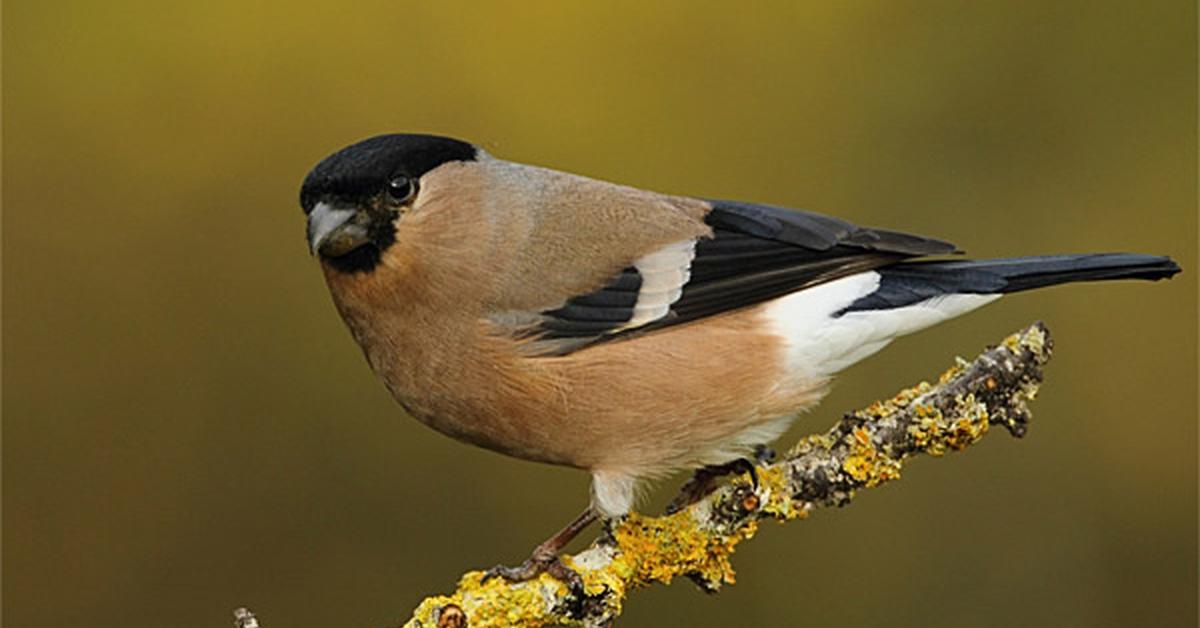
(911, 282)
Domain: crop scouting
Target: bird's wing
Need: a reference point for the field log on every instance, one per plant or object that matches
(756, 253)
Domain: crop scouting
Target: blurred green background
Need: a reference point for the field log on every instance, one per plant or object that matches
(189, 428)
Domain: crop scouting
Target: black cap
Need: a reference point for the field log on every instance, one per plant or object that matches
(359, 171)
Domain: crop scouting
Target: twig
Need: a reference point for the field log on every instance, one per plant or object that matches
(243, 618)
(864, 449)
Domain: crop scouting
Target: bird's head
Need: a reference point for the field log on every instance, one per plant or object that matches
(355, 197)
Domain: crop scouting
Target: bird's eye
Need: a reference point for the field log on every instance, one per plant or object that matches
(401, 188)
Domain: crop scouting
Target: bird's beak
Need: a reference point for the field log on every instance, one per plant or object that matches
(333, 231)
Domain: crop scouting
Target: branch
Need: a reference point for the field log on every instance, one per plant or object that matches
(243, 618)
(864, 449)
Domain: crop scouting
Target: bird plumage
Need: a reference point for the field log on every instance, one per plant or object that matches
(563, 319)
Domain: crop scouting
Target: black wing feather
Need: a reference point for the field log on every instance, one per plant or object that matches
(595, 313)
(816, 232)
(756, 253)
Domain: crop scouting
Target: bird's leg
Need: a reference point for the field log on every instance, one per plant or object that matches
(545, 556)
(702, 481)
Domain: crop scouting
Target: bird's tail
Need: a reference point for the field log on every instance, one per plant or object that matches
(912, 282)
(834, 325)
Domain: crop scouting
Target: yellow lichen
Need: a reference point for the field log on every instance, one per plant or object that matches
(904, 397)
(931, 434)
(495, 602)
(810, 442)
(866, 464)
(971, 424)
(1032, 338)
(773, 484)
(953, 371)
(596, 581)
(426, 613)
(925, 432)
(656, 549)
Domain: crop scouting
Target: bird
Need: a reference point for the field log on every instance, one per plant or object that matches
(627, 333)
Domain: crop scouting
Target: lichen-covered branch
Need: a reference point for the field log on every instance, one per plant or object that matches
(243, 618)
(864, 449)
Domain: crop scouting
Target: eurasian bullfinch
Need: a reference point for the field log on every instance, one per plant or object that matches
(631, 334)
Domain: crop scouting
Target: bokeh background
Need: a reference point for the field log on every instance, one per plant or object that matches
(189, 428)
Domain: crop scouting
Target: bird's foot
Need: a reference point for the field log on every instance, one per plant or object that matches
(703, 481)
(544, 558)
(535, 566)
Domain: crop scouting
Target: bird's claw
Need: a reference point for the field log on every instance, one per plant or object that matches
(533, 567)
(701, 482)
(741, 465)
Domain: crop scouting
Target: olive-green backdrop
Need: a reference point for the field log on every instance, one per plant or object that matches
(189, 428)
